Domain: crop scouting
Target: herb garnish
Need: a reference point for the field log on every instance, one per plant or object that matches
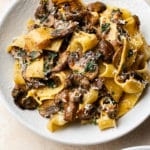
(19, 53)
(51, 83)
(90, 66)
(105, 27)
(34, 54)
(49, 62)
(130, 53)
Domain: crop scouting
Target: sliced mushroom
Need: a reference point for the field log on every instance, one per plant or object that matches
(42, 11)
(19, 94)
(75, 95)
(93, 18)
(70, 110)
(28, 103)
(90, 21)
(87, 64)
(34, 83)
(139, 61)
(62, 97)
(79, 80)
(62, 62)
(98, 84)
(97, 7)
(70, 10)
(49, 21)
(86, 113)
(73, 58)
(48, 108)
(64, 29)
(75, 16)
(106, 49)
(92, 75)
(18, 91)
(116, 16)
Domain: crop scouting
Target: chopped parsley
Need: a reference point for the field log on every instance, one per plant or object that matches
(19, 53)
(105, 27)
(49, 62)
(90, 66)
(34, 54)
(51, 83)
(98, 55)
(130, 53)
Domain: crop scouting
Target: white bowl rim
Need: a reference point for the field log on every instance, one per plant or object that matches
(2, 99)
(143, 147)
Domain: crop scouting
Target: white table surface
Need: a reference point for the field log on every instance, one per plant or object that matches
(14, 136)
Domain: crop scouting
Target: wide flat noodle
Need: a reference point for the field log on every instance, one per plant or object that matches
(115, 90)
(104, 122)
(127, 103)
(136, 41)
(18, 78)
(47, 93)
(107, 70)
(131, 25)
(55, 45)
(56, 122)
(18, 42)
(82, 41)
(90, 97)
(38, 38)
(35, 69)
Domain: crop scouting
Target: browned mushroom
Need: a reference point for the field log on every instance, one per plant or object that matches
(98, 84)
(75, 95)
(48, 108)
(106, 49)
(19, 94)
(97, 7)
(42, 11)
(86, 113)
(139, 61)
(79, 80)
(62, 62)
(70, 110)
(49, 21)
(62, 97)
(92, 75)
(34, 82)
(87, 64)
(64, 29)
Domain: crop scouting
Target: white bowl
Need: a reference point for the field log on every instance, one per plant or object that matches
(13, 25)
(138, 148)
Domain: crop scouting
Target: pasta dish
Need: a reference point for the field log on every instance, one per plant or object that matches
(79, 62)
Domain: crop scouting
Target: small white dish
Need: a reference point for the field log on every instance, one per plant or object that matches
(12, 25)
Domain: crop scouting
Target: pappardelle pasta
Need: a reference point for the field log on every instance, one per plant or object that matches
(79, 62)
